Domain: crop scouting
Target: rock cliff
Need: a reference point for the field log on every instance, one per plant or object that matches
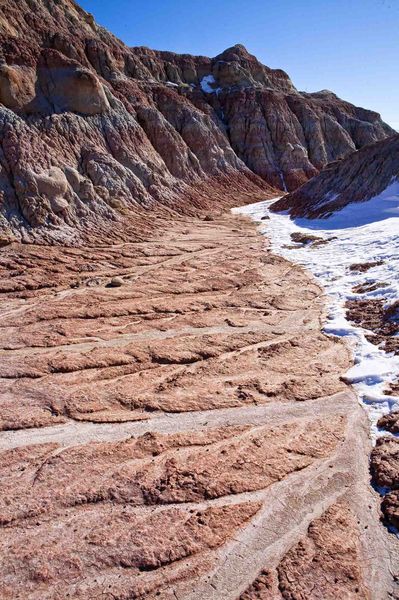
(361, 176)
(94, 133)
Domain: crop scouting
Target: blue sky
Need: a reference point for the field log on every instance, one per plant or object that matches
(348, 46)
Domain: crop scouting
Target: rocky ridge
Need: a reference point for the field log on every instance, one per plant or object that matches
(100, 137)
(362, 175)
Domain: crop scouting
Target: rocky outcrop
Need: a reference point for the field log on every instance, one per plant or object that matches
(283, 135)
(363, 175)
(326, 562)
(385, 462)
(385, 472)
(163, 285)
(379, 321)
(97, 136)
(91, 142)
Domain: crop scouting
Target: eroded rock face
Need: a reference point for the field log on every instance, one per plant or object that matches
(107, 551)
(112, 142)
(144, 129)
(146, 471)
(17, 86)
(385, 462)
(69, 87)
(359, 177)
(324, 563)
(234, 317)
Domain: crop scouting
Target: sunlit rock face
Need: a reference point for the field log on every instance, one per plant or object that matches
(146, 131)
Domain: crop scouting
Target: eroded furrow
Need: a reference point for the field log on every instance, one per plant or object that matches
(175, 426)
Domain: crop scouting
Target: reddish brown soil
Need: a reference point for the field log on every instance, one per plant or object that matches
(380, 321)
(385, 471)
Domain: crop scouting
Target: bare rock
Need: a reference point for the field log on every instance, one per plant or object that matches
(381, 320)
(306, 238)
(384, 463)
(136, 135)
(116, 282)
(356, 178)
(363, 267)
(265, 587)
(326, 562)
(390, 508)
(189, 431)
(390, 422)
(199, 282)
(112, 548)
(364, 288)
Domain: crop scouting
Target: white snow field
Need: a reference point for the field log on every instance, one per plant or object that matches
(359, 233)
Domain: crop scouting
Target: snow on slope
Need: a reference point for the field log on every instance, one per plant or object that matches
(357, 236)
(379, 208)
(206, 85)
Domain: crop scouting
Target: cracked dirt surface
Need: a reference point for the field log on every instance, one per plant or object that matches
(183, 435)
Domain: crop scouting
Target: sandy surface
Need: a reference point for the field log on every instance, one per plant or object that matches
(184, 434)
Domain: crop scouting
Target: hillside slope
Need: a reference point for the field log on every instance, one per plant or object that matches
(96, 135)
(369, 173)
(283, 135)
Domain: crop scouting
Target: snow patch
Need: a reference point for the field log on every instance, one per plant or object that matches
(206, 85)
(361, 232)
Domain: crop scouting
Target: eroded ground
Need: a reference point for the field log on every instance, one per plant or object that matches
(174, 426)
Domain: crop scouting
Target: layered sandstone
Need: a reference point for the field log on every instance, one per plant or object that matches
(281, 134)
(175, 425)
(324, 563)
(99, 137)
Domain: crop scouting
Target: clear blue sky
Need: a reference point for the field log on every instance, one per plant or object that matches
(348, 46)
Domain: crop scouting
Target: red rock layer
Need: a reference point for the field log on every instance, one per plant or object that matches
(380, 322)
(385, 473)
(87, 351)
(175, 423)
(324, 563)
